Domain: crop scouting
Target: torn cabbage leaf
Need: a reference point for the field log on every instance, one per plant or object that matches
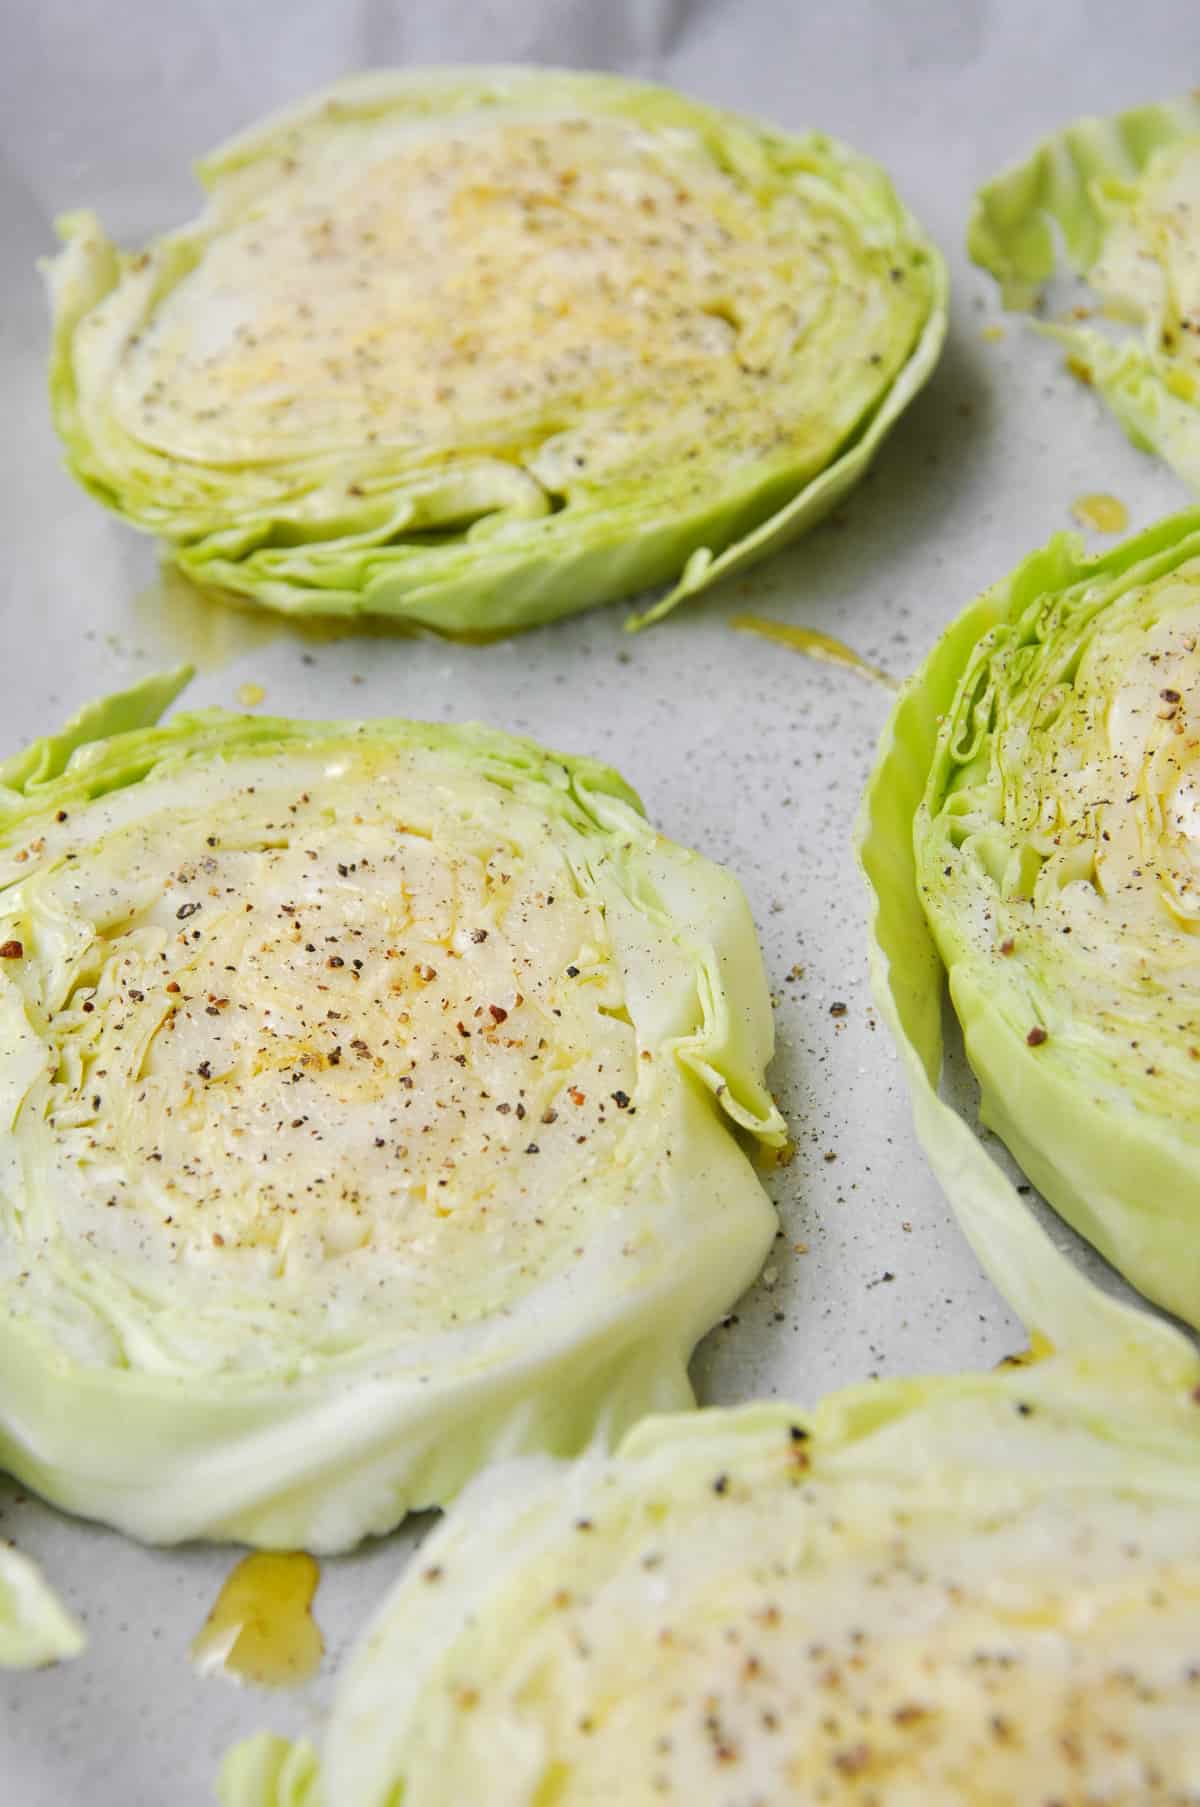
(1029, 830)
(366, 1097)
(35, 1627)
(1122, 196)
(966, 1589)
(476, 348)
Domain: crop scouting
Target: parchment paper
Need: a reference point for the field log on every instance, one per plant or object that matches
(738, 747)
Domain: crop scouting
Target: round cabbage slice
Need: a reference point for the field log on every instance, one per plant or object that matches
(366, 1098)
(979, 1588)
(1037, 804)
(477, 348)
(1122, 197)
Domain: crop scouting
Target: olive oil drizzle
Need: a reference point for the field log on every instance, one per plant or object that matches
(814, 645)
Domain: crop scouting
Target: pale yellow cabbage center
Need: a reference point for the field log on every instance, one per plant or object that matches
(1078, 821)
(333, 1029)
(582, 295)
(764, 1638)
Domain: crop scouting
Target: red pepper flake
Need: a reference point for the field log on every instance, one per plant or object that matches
(335, 960)
(576, 1096)
(218, 1239)
(12, 950)
(498, 1012)
(1037, 1035)
(173, 985)
(1007, 945)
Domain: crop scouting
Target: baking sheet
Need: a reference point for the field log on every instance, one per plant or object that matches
(739, 748)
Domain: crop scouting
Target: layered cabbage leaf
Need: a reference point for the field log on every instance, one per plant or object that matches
(1031, 832)
(475, 348)
(375, 1099)
(1120, 198)
(961, 1590)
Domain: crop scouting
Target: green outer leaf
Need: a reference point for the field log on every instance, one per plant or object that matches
(1117, 1418)
(47, 759)
(35, 1627)
(1012, 230)
(319, 1457)
(487, 586)
(1070, 190)
(115, 741)
(817, 498)
(1039, 1281)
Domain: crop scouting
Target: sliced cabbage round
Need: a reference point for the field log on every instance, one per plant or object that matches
(35, 1627)
(476, 348)
(1123, 196)
(1031, 829)
(980, 1588)
(365, 1106)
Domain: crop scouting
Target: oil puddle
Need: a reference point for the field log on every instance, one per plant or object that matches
(1104, 514)
(261, 1628)
(174, 619)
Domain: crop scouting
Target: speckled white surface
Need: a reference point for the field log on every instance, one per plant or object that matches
(753, 754)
